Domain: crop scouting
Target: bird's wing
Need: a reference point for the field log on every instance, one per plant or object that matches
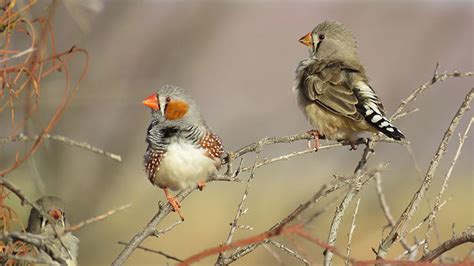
(371, 108)
(213, 145)
(327, 84)
(344, 90)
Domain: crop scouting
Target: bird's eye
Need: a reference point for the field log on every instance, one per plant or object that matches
(168, 99)
(321, 36)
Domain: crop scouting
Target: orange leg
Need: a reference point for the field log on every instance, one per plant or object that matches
(317, 136)
(201, 184)
(174, 203)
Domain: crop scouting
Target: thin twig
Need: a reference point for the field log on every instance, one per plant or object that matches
(154, 251)
(411, 251)
(20, 54)
(288, 156)
(289, 251)
(445, 184)
(407, 214)
(243, 242)
(149, 229)
(416, 227)
(351, 231)
(79, 144)
(272, 252)
(159, 233)
(240, 209)
(436, 78)
(448, 245)
(386, 208)
(97, 218)
(353, 191)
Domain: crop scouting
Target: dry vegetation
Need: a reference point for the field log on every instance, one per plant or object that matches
(28, 57)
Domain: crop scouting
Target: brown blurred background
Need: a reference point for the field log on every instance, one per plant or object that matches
(237, 58)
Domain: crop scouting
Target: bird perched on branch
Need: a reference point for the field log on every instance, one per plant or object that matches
(182, 152)
(59, 243)
(333, 89)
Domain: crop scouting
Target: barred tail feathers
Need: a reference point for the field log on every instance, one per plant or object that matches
(383, 124)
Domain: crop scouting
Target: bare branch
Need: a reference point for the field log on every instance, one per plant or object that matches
(351, 231)
(416, 227)
(20, 54)
(97, 218)
(353, 191)
(149, 229)
(436, 78)
(240, 208)
(272, 252)
(260, 238)
(406, 216)
(448, 245)
(411, 251)
(154, 251)
(386, 208)
(79, 144)
(289, 251)
(159, 233)
(445, 184)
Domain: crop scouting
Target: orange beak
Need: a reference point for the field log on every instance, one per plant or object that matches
(152, 102)
(307, 39)
(56, 213)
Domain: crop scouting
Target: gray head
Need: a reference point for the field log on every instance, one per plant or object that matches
(54, 207)
(331, 40)
(173, 104)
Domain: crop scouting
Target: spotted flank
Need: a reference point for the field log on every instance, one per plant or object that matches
(152, 163)
(213, 145)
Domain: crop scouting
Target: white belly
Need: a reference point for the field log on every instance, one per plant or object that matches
(183, 166)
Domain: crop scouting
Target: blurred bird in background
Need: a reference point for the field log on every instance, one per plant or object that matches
(182, 152)
(333, 90)
(38, 224)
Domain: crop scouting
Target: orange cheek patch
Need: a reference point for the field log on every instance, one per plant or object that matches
(176, 110)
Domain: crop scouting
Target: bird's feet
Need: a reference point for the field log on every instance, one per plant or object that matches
(174, 203)
(201, 184)
(317, 136)
(355, 143)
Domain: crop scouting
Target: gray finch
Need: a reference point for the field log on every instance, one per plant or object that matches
(333, 90)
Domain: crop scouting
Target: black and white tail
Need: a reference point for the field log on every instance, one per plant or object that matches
(381, 123)
(371, 108)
